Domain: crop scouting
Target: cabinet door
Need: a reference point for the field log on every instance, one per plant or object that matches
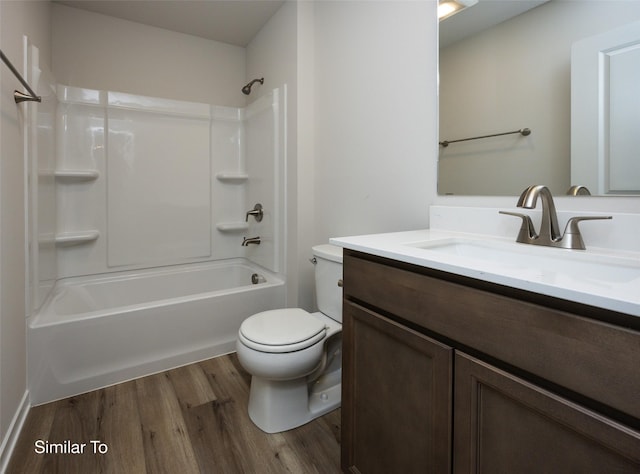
(503, 424)
(396, 399)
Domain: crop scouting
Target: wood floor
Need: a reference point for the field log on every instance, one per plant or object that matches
(188, 420)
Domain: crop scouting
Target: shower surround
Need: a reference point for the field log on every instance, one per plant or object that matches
(146, 185)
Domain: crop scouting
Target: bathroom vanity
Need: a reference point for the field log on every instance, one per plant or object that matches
(452, 370)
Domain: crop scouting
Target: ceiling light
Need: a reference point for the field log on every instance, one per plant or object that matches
(446, 8)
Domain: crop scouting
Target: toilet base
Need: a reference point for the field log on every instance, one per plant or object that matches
(276, 406)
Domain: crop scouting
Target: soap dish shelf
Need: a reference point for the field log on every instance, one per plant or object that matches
(75, 176)
(232, 226)
(68, 239)
(232, 177)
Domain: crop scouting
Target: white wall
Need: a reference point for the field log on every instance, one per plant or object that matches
(17, 18)
(375, 116)
(366, 105)
(150, 61)
(302, 171)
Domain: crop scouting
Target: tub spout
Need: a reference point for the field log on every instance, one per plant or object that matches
(250, 240)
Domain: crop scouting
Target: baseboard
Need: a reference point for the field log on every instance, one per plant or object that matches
(13, 433)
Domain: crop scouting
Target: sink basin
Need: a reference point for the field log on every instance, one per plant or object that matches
(534, 262)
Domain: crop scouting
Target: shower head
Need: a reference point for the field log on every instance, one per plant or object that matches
(247, 89)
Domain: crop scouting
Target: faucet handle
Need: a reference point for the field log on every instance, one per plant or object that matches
(256, 212)
(527, 232)
(572, 239)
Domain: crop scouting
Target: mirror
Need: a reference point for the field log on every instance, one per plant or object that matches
(507, 75)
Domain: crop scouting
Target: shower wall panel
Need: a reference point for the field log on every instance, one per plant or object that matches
(81, 179)
(158, 191)
(41, 163)
(228, 196)
(262, 147)
(145, 182)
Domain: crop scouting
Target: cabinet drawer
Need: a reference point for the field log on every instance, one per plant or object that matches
(595, 359)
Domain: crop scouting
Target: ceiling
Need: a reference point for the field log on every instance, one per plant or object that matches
(481, 16)
(229, 21)
(238, 21)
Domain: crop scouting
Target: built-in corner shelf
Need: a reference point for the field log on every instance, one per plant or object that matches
(232, 226)
(232, 177)
(67, 239)
(76, 176)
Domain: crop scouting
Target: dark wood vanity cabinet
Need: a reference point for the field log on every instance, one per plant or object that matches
(398, 394)
(502, 423)
(443, 374)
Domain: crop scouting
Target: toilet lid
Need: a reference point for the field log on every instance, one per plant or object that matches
(282, 327)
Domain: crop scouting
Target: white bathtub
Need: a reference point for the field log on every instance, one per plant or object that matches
(95, 331)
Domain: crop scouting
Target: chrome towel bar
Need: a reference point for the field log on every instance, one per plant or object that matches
(523, 131)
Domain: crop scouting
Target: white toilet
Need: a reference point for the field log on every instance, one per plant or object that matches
(294, 356)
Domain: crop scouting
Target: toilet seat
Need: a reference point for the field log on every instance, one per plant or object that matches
(281, 330)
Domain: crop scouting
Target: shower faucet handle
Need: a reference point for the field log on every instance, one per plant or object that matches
(256, 212)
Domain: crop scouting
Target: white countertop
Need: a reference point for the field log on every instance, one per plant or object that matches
(617, 288)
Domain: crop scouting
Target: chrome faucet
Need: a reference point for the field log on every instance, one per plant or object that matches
(250, 240)
(549, 230)
(549, 234)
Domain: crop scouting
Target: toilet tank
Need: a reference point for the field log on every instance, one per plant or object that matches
(328, 271)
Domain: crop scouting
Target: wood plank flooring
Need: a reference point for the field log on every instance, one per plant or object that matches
(188, 420)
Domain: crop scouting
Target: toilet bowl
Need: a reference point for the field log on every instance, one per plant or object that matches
(293, 356)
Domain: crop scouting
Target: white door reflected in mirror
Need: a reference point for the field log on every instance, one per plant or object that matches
(605, 111)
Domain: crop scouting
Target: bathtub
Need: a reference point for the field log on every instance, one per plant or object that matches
(95, 331)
